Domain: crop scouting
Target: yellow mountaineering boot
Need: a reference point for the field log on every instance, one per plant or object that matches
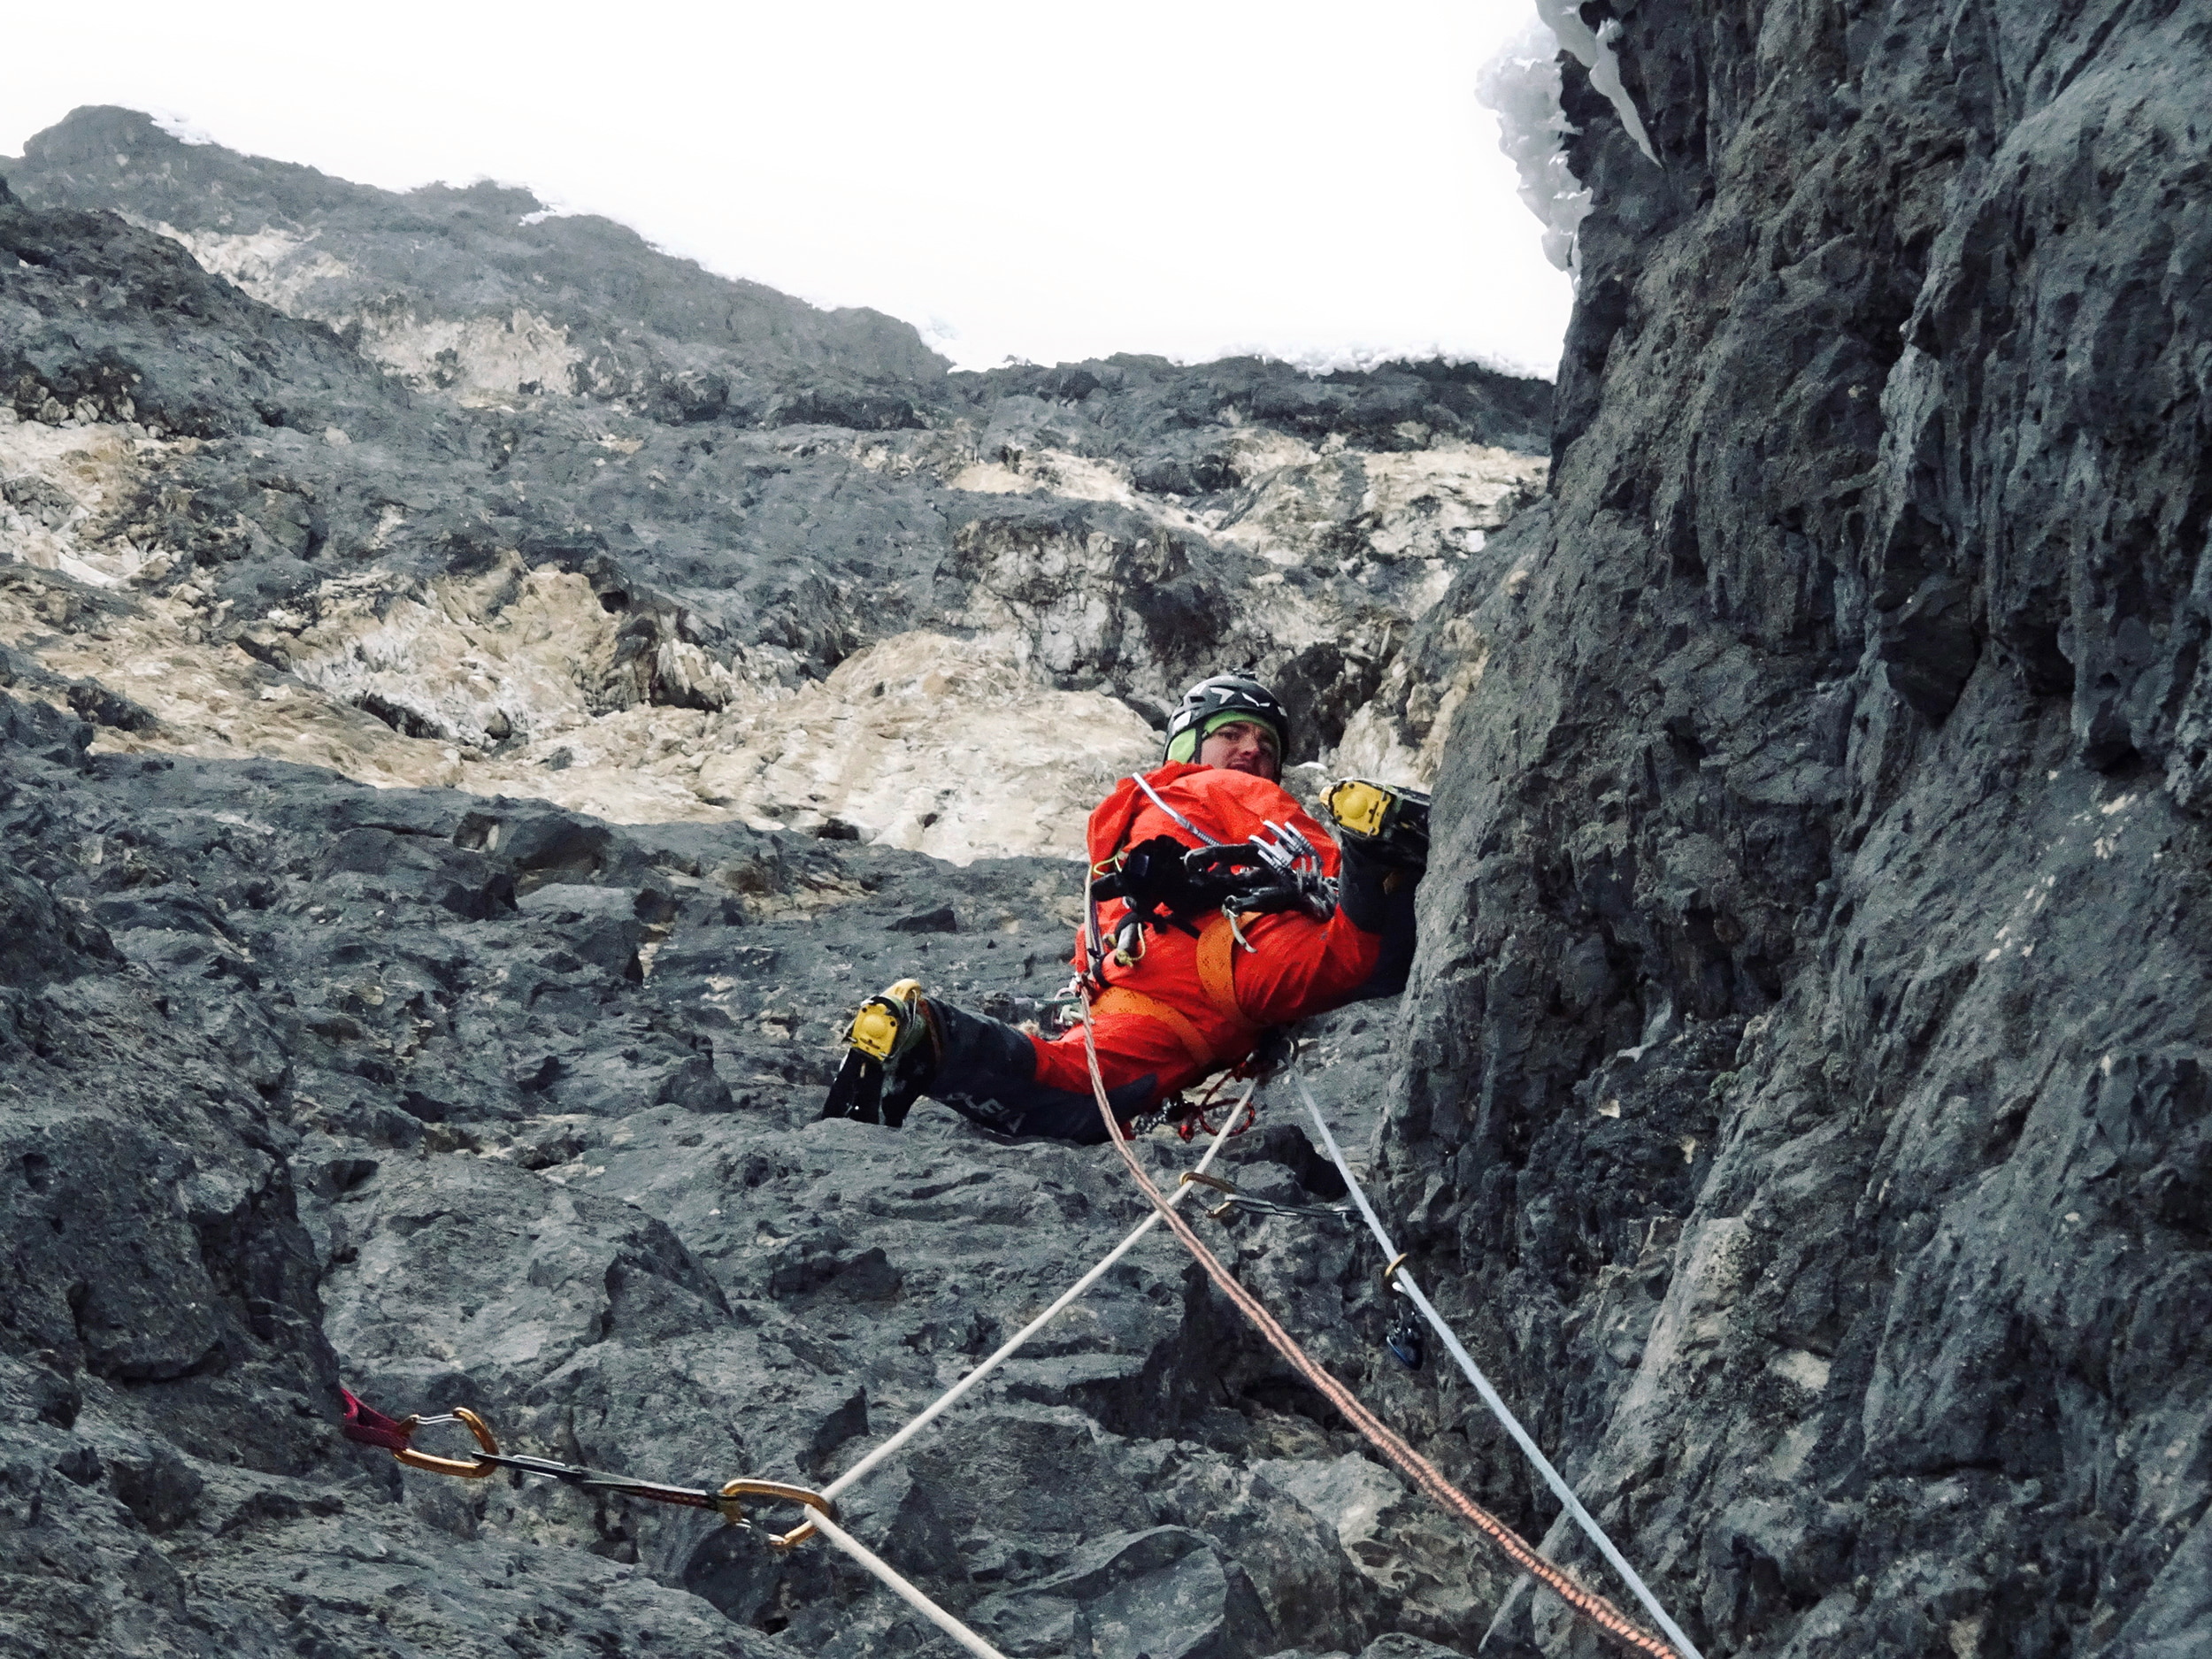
(1386, 822)
(890, 1038)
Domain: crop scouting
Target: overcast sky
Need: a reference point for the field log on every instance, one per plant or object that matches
(1037, 180)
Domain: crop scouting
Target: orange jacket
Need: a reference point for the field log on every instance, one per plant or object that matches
(1215, 994)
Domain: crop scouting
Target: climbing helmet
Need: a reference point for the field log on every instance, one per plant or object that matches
(1217, 700)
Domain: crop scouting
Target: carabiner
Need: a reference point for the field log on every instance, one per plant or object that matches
(776, 1492)
(476, 1469)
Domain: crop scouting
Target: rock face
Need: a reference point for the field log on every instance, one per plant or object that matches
(1800, 1102)
(1805, 1079)
(483, 498)
(475, 1100)
(450, 809)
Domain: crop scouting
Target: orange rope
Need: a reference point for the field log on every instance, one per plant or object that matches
(1609, 1619)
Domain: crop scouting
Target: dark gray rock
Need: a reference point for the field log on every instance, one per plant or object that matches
(1805, 1034)
(282, 1111)
(1800, 1102)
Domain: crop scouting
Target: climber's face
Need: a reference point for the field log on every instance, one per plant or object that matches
(1241, 746)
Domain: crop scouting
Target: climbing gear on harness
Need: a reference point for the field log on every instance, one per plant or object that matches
(371, 1427)
(1166, 884)
(1217, 699)
(1195, 1122)
(1403, 1339)
(1396, 1278)
(1384, 821)
(889, 1040)
(1161, 886)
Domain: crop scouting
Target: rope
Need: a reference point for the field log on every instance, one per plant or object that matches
(937, 1408)
(371, 1427)
(902, 1589)
(1560, 1489)
(1595, 1608)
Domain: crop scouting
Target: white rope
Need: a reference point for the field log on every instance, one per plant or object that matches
(945, 1401)
(900, 1588)
(1542, 1465)
(1154, 797)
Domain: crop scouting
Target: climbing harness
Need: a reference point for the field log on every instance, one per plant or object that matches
(1396, 1278)
(1609, 1619)
(371, 1427)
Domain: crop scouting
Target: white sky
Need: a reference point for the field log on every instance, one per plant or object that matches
(1047, 181)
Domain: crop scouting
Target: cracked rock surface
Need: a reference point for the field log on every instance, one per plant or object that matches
(466, 746)
(1805, 1079)
(472, 1100)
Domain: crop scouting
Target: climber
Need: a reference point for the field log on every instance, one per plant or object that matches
(1218, 911)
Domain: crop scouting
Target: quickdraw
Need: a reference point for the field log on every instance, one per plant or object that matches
(365, 1424)
(1234, 1200)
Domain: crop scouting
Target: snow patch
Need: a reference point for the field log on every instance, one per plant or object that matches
(1594, 51)
(1521, 85)
(480, 360)
(182, 130)
(277, 269)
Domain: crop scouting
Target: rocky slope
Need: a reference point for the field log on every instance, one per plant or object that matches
(588, 583)
(448, 817)
(470, 1100)
(1800, 1103)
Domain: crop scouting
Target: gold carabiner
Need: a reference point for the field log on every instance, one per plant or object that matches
(1396, 1262)
(475, 1469)
(777, 1492)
